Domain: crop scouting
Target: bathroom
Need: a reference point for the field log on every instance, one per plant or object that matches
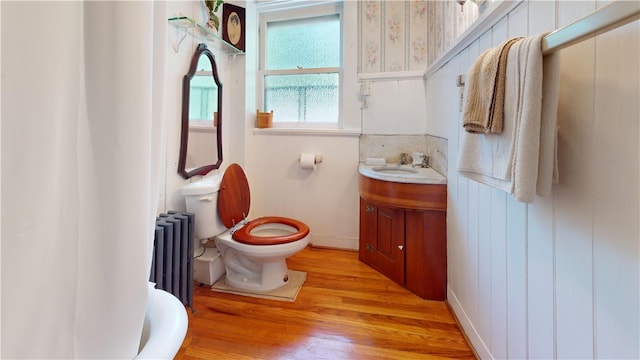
(555, 278)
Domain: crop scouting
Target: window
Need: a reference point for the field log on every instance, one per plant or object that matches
(301, 66)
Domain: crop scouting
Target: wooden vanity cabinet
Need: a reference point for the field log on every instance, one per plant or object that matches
(403, 234)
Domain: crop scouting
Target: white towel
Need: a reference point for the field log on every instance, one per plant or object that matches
(548, 172)
(522, 160)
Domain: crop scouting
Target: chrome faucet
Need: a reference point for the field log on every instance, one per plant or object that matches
(403, 158)
(425, 161)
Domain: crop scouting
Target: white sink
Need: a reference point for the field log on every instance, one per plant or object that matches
(395, 170)
(402, 173)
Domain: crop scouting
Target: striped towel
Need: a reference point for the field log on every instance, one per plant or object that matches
(483, 111)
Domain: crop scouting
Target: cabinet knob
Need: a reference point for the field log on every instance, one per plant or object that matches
(370, 209)
(400, 247)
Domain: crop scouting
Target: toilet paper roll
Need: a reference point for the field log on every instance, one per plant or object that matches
(308, 161)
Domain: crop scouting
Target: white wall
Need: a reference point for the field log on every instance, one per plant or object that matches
(325, 199)
(177, 66)
(559, 277)
(395, 105)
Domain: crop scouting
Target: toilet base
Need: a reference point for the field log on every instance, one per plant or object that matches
(256, 268)
(271, 276)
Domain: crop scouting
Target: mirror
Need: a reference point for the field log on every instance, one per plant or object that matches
(201, 139)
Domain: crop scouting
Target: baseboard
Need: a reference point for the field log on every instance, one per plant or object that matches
(464, 334)
(314, 246)
(335, 242)
(479, 348)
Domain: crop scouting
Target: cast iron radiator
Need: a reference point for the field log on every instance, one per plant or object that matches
(172, 260)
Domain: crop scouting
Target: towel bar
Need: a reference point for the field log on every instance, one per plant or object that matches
(607, 18)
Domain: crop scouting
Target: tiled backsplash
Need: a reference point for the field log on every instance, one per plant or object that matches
(391, 146)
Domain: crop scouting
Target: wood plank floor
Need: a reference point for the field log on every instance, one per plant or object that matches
(345, 310)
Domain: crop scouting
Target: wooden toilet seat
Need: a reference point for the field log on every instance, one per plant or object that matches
(244, 235)
(234, 201)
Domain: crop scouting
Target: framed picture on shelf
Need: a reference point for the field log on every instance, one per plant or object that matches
(233, 27)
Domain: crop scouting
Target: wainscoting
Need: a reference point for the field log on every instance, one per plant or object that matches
(558, 278)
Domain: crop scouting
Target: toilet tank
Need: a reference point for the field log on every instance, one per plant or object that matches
(202, 199)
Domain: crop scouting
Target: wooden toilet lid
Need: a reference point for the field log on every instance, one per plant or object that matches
(234, 199)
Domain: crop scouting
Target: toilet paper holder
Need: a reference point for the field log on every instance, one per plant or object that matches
(317, 160)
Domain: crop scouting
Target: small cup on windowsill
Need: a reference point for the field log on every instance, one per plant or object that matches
(264, 119)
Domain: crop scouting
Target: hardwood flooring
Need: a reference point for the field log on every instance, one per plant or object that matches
(345, 310)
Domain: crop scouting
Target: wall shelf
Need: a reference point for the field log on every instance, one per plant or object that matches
(190, 27)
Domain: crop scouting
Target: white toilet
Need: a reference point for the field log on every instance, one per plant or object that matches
(254, 252)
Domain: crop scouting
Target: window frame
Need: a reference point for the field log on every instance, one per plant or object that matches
(300, 11)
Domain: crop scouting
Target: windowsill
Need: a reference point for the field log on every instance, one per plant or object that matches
(311, 132)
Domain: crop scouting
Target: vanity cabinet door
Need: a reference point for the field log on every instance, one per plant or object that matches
(426, 254)
(382, 239)
(389, 254)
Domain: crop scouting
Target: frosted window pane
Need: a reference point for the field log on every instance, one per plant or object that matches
(306, 43)
(302, 98)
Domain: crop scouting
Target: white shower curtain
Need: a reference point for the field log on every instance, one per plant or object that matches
(82, 94)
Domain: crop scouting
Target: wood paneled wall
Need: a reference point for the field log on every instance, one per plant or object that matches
(558, 278)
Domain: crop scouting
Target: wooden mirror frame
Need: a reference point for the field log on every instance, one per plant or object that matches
(184, 139)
